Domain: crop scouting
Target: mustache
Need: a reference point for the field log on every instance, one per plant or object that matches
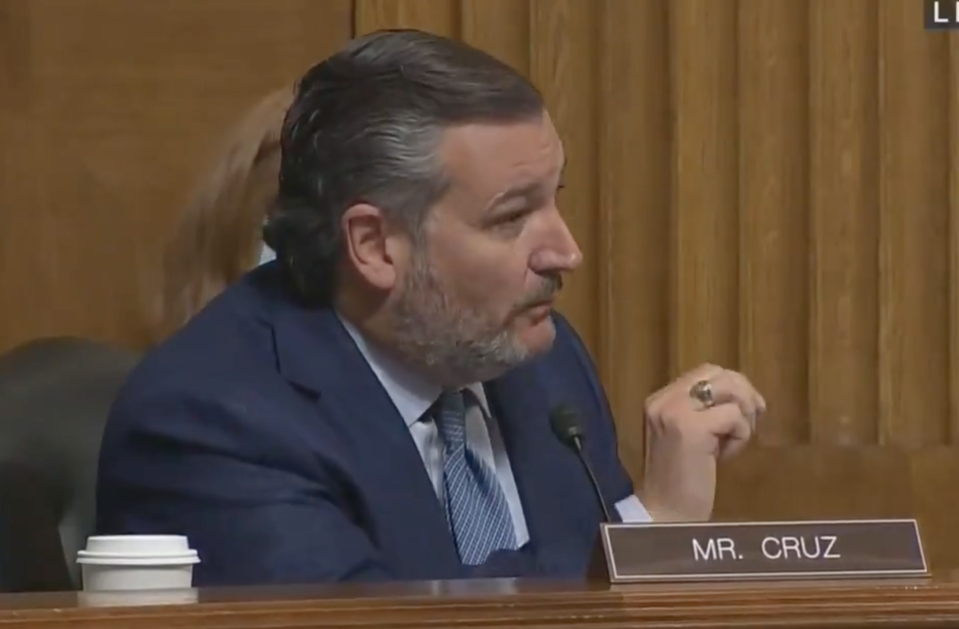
(546, 291)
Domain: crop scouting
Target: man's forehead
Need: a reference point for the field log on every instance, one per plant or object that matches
(532, 149)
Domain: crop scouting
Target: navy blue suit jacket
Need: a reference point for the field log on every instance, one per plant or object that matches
(261, 433)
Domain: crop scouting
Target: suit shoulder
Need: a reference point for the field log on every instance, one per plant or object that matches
(220, 366)
(212, 350)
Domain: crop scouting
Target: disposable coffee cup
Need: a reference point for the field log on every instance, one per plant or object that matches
(112, 563)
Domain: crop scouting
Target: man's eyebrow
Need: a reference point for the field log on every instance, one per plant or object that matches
(525, 192)
(528, 191)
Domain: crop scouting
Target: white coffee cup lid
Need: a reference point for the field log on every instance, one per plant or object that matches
(152, 545)
(137, 559)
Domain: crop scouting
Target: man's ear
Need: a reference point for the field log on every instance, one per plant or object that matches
(366, 242)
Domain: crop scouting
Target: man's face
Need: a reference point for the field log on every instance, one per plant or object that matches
(477, 289)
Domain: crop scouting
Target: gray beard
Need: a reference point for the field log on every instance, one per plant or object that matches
(457, 346)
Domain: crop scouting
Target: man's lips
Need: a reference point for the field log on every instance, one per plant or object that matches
(541, 308)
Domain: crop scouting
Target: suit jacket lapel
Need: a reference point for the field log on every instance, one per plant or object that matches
(521, 406)
(560, 507)
(316, 353)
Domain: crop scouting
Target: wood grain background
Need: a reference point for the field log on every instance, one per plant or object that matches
(767, 184)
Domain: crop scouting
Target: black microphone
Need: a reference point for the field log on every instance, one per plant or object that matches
(565, 423)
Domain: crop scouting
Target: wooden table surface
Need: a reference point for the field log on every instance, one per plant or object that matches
(913, 603)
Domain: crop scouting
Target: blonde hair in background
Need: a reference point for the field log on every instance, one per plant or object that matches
(217, 237)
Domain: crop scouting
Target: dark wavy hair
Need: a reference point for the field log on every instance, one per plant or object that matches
(365, 127)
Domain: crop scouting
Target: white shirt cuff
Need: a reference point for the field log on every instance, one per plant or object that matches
(631, 510)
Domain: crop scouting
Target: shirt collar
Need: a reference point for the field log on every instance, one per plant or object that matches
(411, 394)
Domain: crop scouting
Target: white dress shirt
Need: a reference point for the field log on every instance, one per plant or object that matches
(266, 255)
(413, 396)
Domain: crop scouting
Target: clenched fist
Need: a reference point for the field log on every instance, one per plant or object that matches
(706, 414)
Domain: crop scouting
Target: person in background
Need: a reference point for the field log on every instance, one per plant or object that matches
(378, 402)
(219, 234)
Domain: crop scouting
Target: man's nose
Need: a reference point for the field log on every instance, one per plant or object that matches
(559, 252)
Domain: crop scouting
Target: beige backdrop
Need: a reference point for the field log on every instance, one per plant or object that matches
(767, 184)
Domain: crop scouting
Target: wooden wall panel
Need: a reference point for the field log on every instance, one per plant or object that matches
(913, 231)
(770, 184)
(108, 110)
(844, 201)
(634, 177)
(773, 119)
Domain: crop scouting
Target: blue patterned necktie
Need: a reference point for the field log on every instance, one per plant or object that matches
(475, 504)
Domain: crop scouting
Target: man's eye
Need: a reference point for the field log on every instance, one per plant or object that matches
(513, 217)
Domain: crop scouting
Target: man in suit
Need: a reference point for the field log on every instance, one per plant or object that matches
(375, 405)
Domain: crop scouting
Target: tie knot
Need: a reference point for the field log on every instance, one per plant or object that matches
(450, 418)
